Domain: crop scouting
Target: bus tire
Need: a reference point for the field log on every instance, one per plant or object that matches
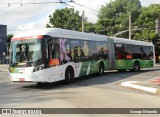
(69, 75)
(101, 69)
(136, 67)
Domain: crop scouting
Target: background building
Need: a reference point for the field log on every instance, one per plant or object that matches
(3, 44)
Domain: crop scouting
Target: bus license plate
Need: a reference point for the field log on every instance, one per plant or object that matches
(21, 79)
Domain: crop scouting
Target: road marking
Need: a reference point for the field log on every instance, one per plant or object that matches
(132, 84)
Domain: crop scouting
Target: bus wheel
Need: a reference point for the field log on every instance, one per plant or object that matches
(69, 75)
(101, 69)
(136, 66)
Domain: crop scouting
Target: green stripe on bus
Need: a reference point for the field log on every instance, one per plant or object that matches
(91, 67)
(128, 64)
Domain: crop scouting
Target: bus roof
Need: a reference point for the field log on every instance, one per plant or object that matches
(61, 33)
(128, 41)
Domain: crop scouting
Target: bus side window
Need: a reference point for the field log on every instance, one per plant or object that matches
(144, 52)
(56, 49)
(104, 50)
(99, 49)
(147, 53)
(119, 51)
(137, 52)
(92, 49)
(68, 50)
(150, 53)
(128, 51)
(75, 50)
(50, 43)
(84, 50)
(65, 53)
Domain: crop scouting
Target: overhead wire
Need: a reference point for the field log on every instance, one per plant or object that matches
(22, 5)
(82, 6)
(9, 5)
(81, 9)
(60, 2)
(35, 3)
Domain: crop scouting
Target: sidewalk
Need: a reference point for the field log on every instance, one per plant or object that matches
(3, 67)
(157, 65)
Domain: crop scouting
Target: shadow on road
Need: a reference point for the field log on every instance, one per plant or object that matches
(108, 77)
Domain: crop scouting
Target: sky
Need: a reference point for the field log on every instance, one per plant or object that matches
(29, 15)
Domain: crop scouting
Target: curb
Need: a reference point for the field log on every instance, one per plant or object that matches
(131, 84)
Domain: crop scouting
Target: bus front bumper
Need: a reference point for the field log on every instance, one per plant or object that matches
(17, 77)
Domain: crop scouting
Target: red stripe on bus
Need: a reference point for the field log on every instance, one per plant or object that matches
(29, 37)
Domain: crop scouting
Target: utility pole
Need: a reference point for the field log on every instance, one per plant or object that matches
(82, 21)
(130, 31)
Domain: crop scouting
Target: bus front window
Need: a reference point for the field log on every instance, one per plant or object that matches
(26, 52)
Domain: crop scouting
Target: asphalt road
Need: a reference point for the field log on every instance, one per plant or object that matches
(88, 92)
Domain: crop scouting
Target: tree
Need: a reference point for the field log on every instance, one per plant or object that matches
(147, 20)
(66, 18)
(89, 27)
(69, 19)
(9, 37)
(114, 16)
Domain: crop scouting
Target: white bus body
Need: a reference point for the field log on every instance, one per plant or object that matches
(39, 69)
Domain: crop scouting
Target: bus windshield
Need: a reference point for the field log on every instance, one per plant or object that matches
(26, 52)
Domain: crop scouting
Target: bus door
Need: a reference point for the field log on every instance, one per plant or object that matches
(111, 53)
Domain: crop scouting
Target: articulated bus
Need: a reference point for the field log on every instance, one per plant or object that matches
(52, 54)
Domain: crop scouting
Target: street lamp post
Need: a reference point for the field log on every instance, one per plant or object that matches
(130, 31)
(82, 21)
(4, 54)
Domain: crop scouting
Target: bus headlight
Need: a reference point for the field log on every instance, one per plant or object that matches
(38, 68)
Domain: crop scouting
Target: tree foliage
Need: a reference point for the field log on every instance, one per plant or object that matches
(147, 20)
(114, 16)
(69, 19)
(66, 18)
(9, 37)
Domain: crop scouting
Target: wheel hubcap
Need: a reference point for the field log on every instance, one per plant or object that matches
(101, 70)
(136, 67)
